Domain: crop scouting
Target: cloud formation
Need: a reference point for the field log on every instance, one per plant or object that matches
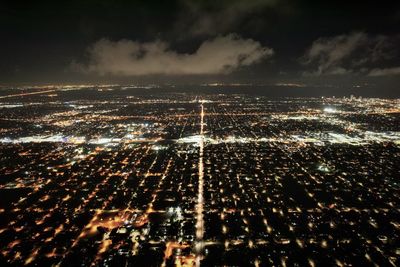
(349, 53)
(220, 55)
(385, 72)
(201, 18)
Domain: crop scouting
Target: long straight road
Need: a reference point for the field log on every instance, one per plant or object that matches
(200, 198)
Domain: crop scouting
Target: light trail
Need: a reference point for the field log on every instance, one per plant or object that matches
(199, 245)
(25, 94)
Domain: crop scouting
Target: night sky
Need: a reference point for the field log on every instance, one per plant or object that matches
(246, 41)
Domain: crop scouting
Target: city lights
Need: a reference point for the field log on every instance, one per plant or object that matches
(180, 180)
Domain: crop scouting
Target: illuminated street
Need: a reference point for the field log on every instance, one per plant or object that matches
(200, 197)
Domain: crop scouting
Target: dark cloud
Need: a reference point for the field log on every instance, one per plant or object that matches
(328, 54)
(202, 18)
(384, 71)
(348, 53)
(350, 39)
(219, 55)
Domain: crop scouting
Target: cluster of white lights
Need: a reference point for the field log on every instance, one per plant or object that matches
(329, 110)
